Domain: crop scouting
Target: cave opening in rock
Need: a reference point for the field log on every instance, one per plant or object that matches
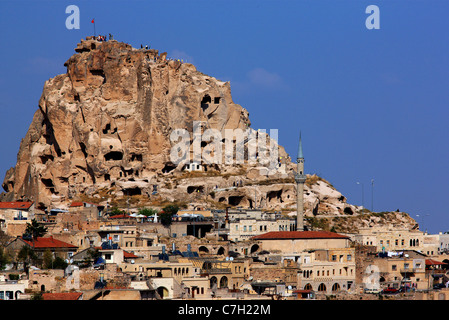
(83, 149)
(168, 167)
(45, 158)
(136, 157)
(205, 102)
(98, 73)
(196, 189)
(272, 195)
(348, 210)
(113, 155)
(48, 183)
(235, 200)
(107, 128)
(217, 100)
(132, 192)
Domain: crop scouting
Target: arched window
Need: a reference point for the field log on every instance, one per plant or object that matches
(224, 282)
(308, 287)
(335, 287)
(322, 287)
(213, 282)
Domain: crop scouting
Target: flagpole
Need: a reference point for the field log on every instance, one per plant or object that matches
(95, 33)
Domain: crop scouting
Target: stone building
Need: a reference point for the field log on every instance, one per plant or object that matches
(14, 217)
(244, 229)
(328, 271)
(390, 239)
(296, 242)
(40, 245)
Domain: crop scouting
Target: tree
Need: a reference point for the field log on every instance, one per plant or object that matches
(167, 214)
(48, 259)
(59, 263)
(35, 229)
(171, 209)
(37, 296)
(4, 259)
(27, 256)
(116, 211)
(148, 211)
(92, 256)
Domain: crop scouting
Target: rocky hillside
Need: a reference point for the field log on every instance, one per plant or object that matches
(102, 133)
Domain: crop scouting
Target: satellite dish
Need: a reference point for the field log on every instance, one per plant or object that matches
(231, 258)
(227, 258)
(406, 255)
(289, 287)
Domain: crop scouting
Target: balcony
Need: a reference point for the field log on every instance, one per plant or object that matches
(410, 270)
(215, 271)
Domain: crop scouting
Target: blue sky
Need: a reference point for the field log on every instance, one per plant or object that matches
(371, 104)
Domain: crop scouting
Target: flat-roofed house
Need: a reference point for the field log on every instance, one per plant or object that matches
(289, 242)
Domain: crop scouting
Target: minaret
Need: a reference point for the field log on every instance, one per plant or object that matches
(300, 178)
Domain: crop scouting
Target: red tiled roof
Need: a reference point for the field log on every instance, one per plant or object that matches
(50, 242)
(76, 204)
(120, 216)
(302, 291)
(129, 255)
(16, 205)
(430, 262)
(289, 235)
(81, 204)
(62, 296)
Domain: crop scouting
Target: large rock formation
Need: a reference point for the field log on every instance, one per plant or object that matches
(103, 129)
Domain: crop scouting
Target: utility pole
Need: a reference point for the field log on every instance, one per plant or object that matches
(363, 194)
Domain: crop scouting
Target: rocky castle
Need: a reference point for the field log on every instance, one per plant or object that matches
(102, 133)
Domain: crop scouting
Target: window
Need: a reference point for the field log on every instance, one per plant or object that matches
(250, 228)
(349, 257)
(396, 242)
(394, 267)
(116, 237)
(334, 257)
